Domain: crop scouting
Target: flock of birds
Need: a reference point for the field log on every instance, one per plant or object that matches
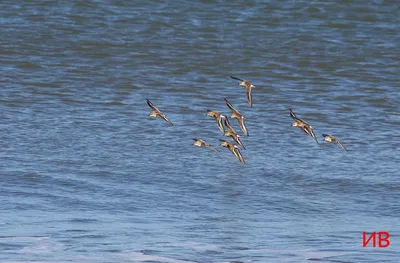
(228, 131)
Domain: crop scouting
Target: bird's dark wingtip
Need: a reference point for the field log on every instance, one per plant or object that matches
(232, 77)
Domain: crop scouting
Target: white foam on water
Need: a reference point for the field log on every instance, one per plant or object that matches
(302, 254)
(140, 257)
(201, 246)
(33, 244)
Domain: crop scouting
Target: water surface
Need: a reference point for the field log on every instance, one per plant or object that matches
(87, 176)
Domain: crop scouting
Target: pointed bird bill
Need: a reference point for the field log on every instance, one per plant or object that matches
(202, 144)
(236, 114)
(157, 113)
(331, 139)
(303, 125)
(234, 149)
(248, 87)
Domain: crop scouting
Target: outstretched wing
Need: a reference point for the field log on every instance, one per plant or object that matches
(228, 124)
(236, 152)
(236, 138)
(341, 145)
(165, 118)
(212, 148)
(236, 78)
(292, 114)
(152, 106)
(243, 126)
(248, 94)
(230, 106)
(219, 123)
(309, 131)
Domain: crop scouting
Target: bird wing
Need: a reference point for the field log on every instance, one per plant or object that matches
(228, 125)
(220, 125)
(236, 138)
(309, 131)
(248, 94)
(152, 106)
(165, 118)
(292, 114)
(341, 145)
(236, 152)
(243, 126)
(236, 78)
(212, 148)
(231, 107)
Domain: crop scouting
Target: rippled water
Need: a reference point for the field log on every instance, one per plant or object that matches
(87, 176)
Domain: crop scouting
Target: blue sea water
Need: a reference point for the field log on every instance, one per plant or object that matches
(87, 176)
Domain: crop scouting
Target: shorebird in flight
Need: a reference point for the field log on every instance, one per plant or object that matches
(202, 144)
(330, 138)
(218, 117)
(156, 113)
(248, 87)
(231, 133)
(234, 149)
(236, 115)
(303, 125)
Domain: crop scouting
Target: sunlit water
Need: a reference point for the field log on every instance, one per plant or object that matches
(87, 176)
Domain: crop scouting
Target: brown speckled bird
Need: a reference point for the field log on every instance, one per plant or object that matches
(156, 113)
(303, 125)
(237, 115)
(249, 87)
(202, 144)
(331, 139)
(234, 149)
(218, 117)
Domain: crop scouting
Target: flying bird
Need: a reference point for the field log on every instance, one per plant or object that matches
(303, 125)
(156, 113)
(330, 138)
(231, 133)
(248, 87)
(202, 144)
(218, 117)
(236, 115)
(234, 149)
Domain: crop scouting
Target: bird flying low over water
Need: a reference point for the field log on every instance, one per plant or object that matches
(303, 125)
(330, 138)
(248, 87)
(234, 150)
(156, 113)
(203, 144)
(231, 133)
(236, 115)
(218, 117)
